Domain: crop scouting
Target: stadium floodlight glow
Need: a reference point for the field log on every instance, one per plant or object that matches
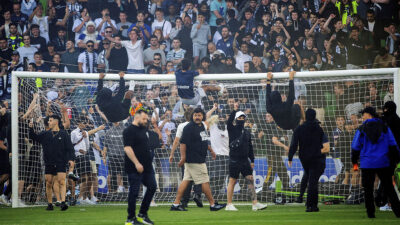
(319, 87)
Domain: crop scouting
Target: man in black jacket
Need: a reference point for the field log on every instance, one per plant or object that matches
(112, 106)
(57, 153)
(313, 146)
(287, 115)
(240, 151)
(392, 120)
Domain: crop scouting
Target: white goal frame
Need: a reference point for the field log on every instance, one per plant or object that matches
(145, 77)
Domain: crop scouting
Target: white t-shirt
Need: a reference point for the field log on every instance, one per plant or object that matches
(43, 26)
(82, 59)
(76, 136)
(135, 54)
(219, 140)
(240, 59)
(78, 22)
(27, 52)
(168, 125)
(105, 24)
(159, 25)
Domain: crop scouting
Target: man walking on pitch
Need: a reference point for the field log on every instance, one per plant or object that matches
(194, 146)
(240, 151)
(138, 166)
(57, 153)
(313, 147)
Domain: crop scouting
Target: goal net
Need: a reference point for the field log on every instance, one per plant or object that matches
(337, 96)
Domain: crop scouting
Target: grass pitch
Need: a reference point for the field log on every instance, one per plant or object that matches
(274, 214)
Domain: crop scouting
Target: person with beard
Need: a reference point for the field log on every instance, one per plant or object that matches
(230, 63)
(287, 115)
(196, 188)
(313, 147)
(138, 166)
(375, 147)
(193, 148)
(110, 105)
(240, 151)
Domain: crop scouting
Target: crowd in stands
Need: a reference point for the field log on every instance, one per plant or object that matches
(219, 36)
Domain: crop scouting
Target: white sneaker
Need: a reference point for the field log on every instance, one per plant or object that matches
(230, 207)
(385, 208)
(4, 200)
(153, 204)
(259, 206)
(80, 201)
(88, 202)
(21, 203)
(121, 189)
(94, 199)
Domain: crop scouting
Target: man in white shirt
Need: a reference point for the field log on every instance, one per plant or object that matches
(162, 24)
(87, 60)
(134, 48)
(80, 141)
(80, 25)
(105, 21)
(27, 50)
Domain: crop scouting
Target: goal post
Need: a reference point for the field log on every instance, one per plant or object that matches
(247, 81)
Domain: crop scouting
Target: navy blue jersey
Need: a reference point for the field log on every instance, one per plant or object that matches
(184, 82)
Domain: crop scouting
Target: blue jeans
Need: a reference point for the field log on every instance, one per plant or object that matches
(135, 179)
(130, 71)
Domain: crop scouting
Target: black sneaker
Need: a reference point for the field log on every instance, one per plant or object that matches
(133, 222)
(143, 218)
(63, 206)
(73, 177)
(50, 207)
(177, 208)
(312, 209)
(217, 207)
(197, 199)
(299, 200)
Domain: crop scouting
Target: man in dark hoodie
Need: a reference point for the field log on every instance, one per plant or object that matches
(287, 115)
(116, 108)
(240, 151)
(392, 120)
(375, 146)
(313, 147)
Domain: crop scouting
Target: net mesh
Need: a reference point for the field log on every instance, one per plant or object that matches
(336, 100)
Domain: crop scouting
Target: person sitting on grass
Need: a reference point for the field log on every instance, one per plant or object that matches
(184, 80)
(115, 108)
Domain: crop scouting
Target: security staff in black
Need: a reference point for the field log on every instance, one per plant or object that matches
(313, 146)
(138, 166)
(57, 153)
(241, 157)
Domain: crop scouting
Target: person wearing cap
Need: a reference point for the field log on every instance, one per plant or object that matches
(241, 157)
(375, 147)
(15, 64)
(313, 146)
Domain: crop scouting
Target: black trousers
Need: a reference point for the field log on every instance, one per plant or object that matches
(186, 195)
(303, 184)
(135, 179)
(313, 169)
(368, 179)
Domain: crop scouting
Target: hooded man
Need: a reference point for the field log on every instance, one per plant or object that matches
(375, 147)
(286, 114)
(110, 105)
(392, 120)
(313, 146)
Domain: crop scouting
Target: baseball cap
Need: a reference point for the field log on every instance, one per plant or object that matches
(239, 114)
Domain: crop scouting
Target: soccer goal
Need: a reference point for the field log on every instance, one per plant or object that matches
(337, 96)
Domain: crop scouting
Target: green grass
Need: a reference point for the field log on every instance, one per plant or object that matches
(282, 215)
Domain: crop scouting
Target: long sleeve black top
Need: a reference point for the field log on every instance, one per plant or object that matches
(309, 137)
(57, 146)
(281, 111)
(246, 149)
(110, 105)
